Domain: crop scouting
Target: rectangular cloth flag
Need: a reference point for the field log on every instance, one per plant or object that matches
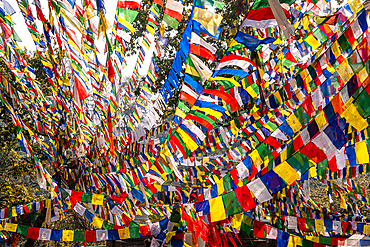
(129, 9)
(260, 14)
(208, 20)
(251, 42)
(173, 13)
(217, 209)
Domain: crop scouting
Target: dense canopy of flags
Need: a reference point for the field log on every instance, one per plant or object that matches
(287, 101)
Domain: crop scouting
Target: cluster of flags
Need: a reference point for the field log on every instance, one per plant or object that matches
(284, 103)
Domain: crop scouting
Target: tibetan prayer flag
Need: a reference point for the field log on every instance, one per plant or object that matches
(251, 42)
(217, 209)
(79, 236)
(98, 222)
(134, 230)
(210, 3)
(289, 60)
(97, 199)
(101, 235)
(231, 203)
(67, 235)
(287, 173)
(129, 9)
(56, 235)
(90, 236)
(259, 229)
(237, 220)
(173, 13)
(209, 21)
(124, 233)
(10, 227)
(86, 197)
(319, 224)
(33, 232)
(123, 24)
(259, 190)
(260, 14)
(353, 117)
(202, 52)
(362, 153)
(45, 234)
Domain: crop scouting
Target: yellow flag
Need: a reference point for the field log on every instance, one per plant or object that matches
(10, 227)
(150, 29)
(191, 70)
(354, 118)
(217, 209)
(319, 224)
(190, 143)
(251, 91)
(362, 154)
(209, 111)
(208, 20)
(97, 199)
(305, 22)
(367, 229)
(362, 75)
(14, 211)
(255, 156)
(220, 78)
(124, 233)
(66, 81)
(162, 29)
(343, 203)
(67, 235)
(294, 241)
(312, 41)
(169, 236)
(345, 71)
(237, 221)
(313, 238)
(89, 12)
(335, 49)
(98, 222)
(103, 25)
(284, 155)
(180, 113)
(294, 123)
(72, 20)
(51, 18)
(313, 172)
(321, 120)
(247, 220)
(220, 186)
(355, 5)
(233, 127)
(126, 24)
(286, 172)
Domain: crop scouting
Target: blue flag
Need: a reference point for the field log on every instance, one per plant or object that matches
(251, 42)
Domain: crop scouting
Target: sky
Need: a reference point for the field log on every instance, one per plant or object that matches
(110, 6)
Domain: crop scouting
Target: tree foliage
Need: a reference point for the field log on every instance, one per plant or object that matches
(319, 194)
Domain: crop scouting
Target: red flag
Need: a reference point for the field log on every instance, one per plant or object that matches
(119, 198)
(111, 72)
(245, 198)
(259, 229)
